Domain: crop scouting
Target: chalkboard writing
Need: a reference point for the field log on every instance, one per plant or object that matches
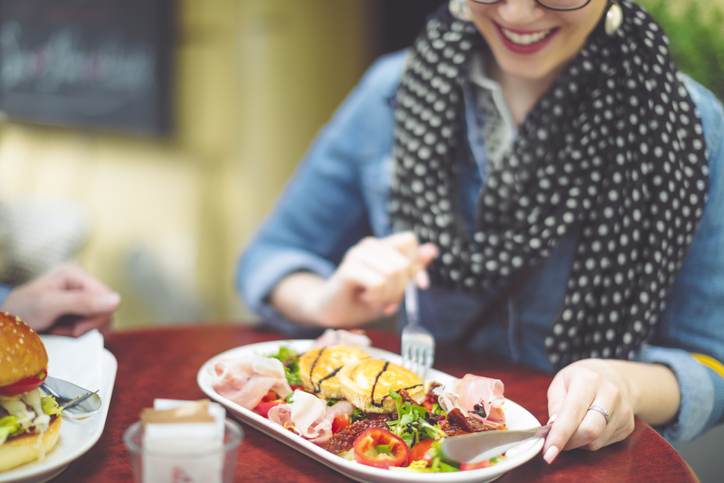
(88, 63)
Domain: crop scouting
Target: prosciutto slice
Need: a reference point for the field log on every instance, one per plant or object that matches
(473, 393)
(342, 337)
(247, 379)
(309, 416)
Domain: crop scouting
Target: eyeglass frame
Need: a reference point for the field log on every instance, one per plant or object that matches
(539, 2)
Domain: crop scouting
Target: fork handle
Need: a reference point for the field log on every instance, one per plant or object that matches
(411, 303)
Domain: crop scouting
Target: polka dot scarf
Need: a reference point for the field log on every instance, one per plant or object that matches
(613, 152)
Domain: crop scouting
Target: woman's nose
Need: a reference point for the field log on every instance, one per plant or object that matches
(517, 12)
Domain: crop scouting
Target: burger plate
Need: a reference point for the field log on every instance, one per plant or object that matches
(76, 437)
(516, 416)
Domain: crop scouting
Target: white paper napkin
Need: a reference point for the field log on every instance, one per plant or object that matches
(76, 360)
(184, 451)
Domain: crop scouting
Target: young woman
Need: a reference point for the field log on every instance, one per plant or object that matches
(561, 184)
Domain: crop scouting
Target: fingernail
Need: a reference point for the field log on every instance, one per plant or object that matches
(423, 280)
(391, 309)
(108, 300)
(551, 454)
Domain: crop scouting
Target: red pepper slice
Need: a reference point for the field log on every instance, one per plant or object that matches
(23, 385)
(380, 448)
(420, 451)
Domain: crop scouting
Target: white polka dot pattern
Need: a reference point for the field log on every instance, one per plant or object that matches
(613, 151)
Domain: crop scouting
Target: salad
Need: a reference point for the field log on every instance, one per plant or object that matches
(364, 409)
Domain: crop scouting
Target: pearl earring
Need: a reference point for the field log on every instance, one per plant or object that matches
(460, 10)
(614, 18)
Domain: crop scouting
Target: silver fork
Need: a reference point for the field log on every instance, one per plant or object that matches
(77, 402)
(418, 345)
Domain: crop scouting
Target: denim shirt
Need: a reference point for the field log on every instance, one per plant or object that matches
(4, 292)
(339, 195)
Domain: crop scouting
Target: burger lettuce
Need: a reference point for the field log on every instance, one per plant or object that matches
(9, 426)
(30, 409)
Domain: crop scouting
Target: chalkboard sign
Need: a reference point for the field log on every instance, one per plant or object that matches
(88, 63)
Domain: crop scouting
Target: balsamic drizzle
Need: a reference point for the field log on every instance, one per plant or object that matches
(318, 387)
(377, 378)
(314, 364)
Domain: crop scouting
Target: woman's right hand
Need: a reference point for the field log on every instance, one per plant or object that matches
(370, 282)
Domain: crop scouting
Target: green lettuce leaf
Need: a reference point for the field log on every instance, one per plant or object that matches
(50, 405)
(9, 425)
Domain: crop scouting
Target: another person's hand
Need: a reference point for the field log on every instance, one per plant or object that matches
(370, 282)
(573, 391)
(67, 292)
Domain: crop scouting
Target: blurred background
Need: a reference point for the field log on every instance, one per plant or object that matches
(147, 139)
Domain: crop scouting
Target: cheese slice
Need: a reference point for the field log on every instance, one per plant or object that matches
(318, 368)
(368, 384)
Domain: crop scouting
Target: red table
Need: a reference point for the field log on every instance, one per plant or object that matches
(162, 363)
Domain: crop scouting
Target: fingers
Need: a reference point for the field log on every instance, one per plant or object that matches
(557, 394)
(572, 393)
(426, 254)
(593, 427)
(72, 277)
(419, 256)
(578, 397)
(378, 270)
(381, 268)
(393, 267)
(78, 302)
(621, 423)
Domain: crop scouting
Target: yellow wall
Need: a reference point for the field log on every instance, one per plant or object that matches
(255, 80)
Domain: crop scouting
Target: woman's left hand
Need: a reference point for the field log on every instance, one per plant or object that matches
(570, 396)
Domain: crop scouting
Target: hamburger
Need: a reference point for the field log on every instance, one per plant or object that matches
(29, 419)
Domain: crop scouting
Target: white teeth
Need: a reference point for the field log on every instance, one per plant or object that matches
(525, 39)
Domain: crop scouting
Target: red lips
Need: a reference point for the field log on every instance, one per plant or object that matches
(525, 49)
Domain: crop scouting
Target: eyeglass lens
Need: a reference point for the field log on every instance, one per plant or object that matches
(562, 5)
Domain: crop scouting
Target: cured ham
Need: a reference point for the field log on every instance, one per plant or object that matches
(309, 416)
(246, 380)
(477, 397)
(342, 337)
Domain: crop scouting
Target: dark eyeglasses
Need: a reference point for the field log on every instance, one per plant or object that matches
(557, 5)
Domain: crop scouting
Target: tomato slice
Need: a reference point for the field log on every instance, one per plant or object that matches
(340, 422)
(270, 396)
(475, 466)
(420, 451)
(23, 385)
(263, 407)
(380, 448)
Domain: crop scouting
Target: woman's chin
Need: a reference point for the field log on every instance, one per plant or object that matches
(526, 70)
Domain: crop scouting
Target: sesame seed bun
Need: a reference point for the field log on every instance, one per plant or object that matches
(22, 353)
(29, 447)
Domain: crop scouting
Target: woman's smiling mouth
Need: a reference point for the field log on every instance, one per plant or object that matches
(525, 42)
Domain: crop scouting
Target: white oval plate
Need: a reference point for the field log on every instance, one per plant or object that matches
(76, 437)
(516, 417)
